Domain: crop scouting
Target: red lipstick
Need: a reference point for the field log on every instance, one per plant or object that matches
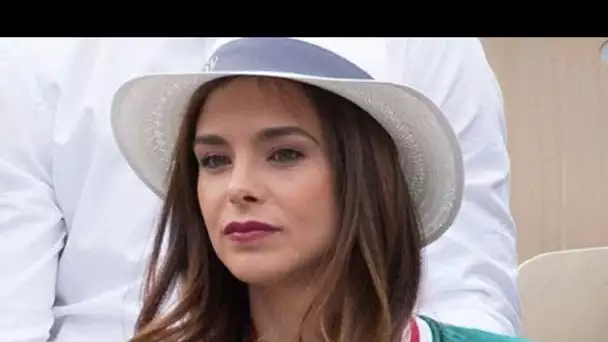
(250, 231)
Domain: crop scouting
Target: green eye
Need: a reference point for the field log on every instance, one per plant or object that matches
(214, 161)
(286, 155)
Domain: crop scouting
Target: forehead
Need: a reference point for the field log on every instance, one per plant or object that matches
(254, 102)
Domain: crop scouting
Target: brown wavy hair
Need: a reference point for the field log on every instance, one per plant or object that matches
(371, 281)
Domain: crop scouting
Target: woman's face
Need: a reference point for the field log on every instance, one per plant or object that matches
(265, 182)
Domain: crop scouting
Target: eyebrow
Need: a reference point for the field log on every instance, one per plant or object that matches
(277, 132)
(265, 134)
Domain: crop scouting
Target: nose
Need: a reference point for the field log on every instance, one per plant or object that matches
(243, 188)
(241, 197)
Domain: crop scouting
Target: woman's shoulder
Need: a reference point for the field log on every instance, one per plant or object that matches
(449, 333)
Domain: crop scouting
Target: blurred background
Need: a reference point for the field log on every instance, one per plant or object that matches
(556, 105)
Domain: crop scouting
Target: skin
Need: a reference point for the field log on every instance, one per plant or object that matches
(262, 157)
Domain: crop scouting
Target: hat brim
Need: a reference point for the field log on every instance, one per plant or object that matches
(147, 112)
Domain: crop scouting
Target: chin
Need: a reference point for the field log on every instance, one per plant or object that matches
(257, 276)
(253, 271)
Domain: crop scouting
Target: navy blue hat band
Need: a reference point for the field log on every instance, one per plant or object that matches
(283, 55)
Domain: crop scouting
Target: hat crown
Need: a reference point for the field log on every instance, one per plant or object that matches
(370, 55)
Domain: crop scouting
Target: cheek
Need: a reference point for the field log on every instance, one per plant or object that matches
(209, 201)
(309, 201)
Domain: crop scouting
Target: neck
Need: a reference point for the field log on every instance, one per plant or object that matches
(277, 312)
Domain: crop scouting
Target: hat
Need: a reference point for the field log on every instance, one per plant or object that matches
(147, 112)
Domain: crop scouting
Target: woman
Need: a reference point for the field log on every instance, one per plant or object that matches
(299, 194)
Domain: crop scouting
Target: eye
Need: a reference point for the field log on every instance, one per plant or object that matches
(214, 161)
(285, 155)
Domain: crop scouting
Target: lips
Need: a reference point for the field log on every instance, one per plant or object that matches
(248, 227)
(250, 232)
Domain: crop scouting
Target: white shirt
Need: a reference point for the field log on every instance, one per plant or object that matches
(76, 222)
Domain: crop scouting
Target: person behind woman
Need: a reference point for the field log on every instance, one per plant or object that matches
(299, 195)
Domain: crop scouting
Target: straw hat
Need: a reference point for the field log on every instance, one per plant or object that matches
(147, 111)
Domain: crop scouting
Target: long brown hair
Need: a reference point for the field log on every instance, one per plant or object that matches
(370, 283)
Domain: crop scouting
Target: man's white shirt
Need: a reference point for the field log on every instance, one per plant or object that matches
(76, 223)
